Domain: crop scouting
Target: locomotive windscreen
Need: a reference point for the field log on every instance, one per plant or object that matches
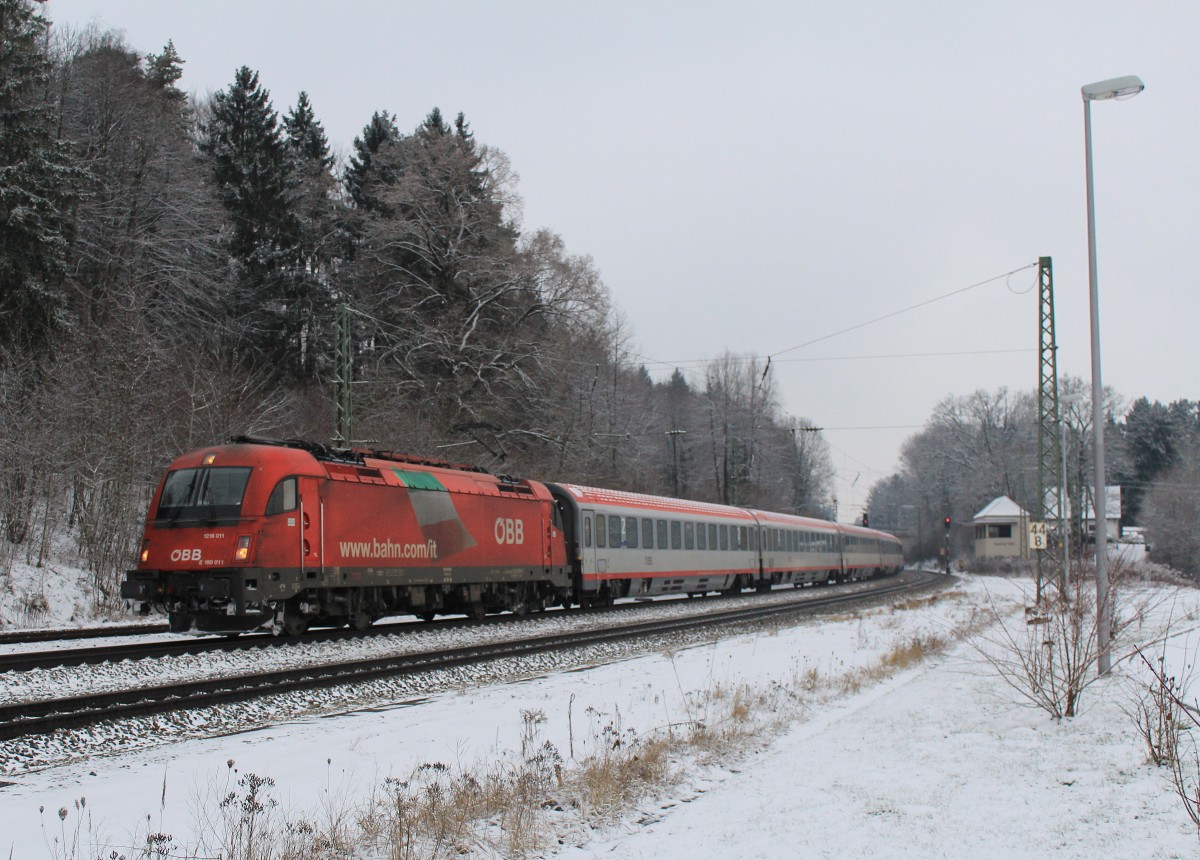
(210, 493)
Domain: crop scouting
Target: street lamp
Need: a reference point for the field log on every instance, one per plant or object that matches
(1127, 86)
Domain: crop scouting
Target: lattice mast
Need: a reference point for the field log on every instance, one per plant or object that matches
(1050, 507)
(343, 369)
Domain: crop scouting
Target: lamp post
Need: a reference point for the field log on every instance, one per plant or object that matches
(1129, 85)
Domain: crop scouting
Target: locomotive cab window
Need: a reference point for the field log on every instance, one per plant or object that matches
(209, 493)
(283, 497)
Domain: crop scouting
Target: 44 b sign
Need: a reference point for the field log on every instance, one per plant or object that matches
(1039, 536)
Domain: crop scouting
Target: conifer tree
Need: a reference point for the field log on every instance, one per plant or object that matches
(380, 131)
(165, 69)
(243, 140)
(37, 184)
(305, 134)
(253, 174)
(319, 234)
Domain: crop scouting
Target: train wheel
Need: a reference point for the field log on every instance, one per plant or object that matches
(426, 616)
(361, 620)
(478, 612)
(289, 622)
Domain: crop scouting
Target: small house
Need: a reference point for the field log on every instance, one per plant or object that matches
(1001, 530)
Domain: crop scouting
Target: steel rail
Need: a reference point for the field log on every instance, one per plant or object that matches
(46, 716)
(183, 644)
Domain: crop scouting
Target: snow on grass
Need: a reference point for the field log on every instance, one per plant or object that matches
(878, 732)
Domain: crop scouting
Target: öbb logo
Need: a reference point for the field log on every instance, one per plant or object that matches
(185, 554)
(510, 531)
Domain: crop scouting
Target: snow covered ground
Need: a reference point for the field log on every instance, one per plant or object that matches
(938, 759)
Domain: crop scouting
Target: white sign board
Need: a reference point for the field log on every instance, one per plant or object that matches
(1039, 536)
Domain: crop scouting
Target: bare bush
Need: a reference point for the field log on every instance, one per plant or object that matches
(1051, 655)
(1165, 720)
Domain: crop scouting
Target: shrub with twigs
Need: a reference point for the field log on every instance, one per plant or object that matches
(1050, 657)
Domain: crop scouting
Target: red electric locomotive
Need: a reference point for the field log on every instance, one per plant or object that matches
(261, 533)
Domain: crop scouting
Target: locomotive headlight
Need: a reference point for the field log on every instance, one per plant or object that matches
(145, 553)
(243, 548)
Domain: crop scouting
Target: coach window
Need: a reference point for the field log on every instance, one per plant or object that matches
(614, 531)
(754, 538)
(587, 531)
(676, 535)
(712, 536)
(631, 535)
(601, 531)
(741, 537)
(283, 497)
(648, 534)
(662, 534)
(701, 536)
(724, 537)
(689, 535)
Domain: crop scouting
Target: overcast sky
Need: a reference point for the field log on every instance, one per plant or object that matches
(753, 176)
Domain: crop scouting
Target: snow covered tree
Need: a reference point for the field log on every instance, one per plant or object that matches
(164, 70)
(255, 177)
(38, 184)
(319, 235)
(305, 135)
(243, 142)
(381, 131)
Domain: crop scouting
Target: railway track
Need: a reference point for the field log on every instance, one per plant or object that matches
(21, 637)
(41, 717)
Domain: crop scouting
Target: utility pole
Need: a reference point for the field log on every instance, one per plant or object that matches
(673, 435)
(343, 376)
(1051, 471)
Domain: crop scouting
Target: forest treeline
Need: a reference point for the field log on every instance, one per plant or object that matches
(981, 446)
(171, 273)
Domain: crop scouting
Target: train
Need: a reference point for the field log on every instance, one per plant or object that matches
(287, 534)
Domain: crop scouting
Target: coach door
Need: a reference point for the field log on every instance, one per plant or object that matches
(587, 543)
(311, 532)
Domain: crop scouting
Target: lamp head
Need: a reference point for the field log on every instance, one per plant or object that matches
(1114, 88)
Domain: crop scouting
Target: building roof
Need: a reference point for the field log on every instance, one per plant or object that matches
(1002, 509)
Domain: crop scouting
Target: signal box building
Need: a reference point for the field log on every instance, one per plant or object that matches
(1001, 530)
